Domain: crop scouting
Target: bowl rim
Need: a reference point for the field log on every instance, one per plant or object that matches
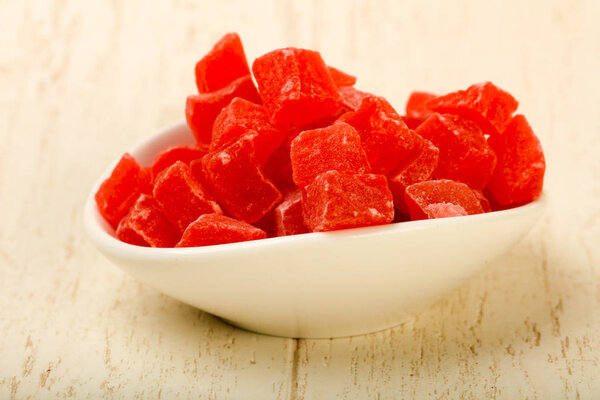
(98, 229)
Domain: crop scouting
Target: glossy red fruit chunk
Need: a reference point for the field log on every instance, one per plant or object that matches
(384, 136)
(419, 169)
(485, 103)
(296, 87)
(465, 155)
(287, 215)
(146, 180)
(279, 168)
(519, 175)
(430, 199)
(168, 157)
(182, 197)
(146, 225)
(210, 229)
(351, 97)
(239, 117)
(235, 178)
(121, 189)
(336, 147)
(335, 200)
(225, 63)
(416, 105)
(340, 78)
(202, 109)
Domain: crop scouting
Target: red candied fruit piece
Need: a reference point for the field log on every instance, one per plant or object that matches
(185, 154)
(146, 180)
(202, 109)
(519, 175)
(421, 196)
(146, 225)
(121, 189)
(279, 168)
(465, 155)
(182, 197)
(288, 219)
(417, 170)
(351, 97)
(340, 78)
(444, 210)
(485, 203)
(336, 147)
(416, 109)
(384, 136)
(235, 178)
(225, 63)
(296, 87)
(239, 117)
(211, 229)
(335, 200)
(416, 106)
(485, 103)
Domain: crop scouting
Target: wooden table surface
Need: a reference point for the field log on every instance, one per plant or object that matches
(82, 81)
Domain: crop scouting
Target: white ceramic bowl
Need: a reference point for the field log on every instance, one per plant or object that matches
(316, 285)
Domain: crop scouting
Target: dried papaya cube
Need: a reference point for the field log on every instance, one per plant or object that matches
(420, 196)
(225, 63)
(202, 109)
(296, 87)
(519, 175)
(182, 197)
(416, 106)
(340, 78)
(444, 210)
(279, 168)
(485, 203)
(419, 169)
(240, 116)
(384, 136)
(351, 97)
(168, 157)
(287, 215)
(336, 147)
(465, 155)
(146, 180)
(335, 200)
(234, 177)
(485, 103)
(121, 189)
(147, 225)
(211, 229)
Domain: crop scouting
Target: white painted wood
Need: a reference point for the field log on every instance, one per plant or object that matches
(81, 81)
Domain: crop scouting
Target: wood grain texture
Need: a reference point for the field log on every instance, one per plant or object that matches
(82, 81)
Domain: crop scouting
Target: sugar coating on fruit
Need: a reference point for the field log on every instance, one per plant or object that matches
(211, 229)
(519, 175)
(485, 103)
(288, 219)
(202, 109)
(147, 225)
(335, 200)
(225, 63)
(340, 78)
(121, 189)
(168, 157)
(182, 197)
(384, 136)
(444, 210)
(237, 118)
(235, 178)
(352, 97)
(465, 155)
(337, 147)
(296, 87)
(420, 196)
(419, 169)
